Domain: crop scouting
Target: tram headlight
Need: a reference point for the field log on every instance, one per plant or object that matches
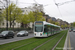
(35, 33)
(40, 33)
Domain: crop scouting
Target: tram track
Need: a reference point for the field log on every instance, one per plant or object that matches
(50, 41)
(28, 43)
(57, 42)
(10, 44)
(23, 45)
(45, 42)
(35, 43)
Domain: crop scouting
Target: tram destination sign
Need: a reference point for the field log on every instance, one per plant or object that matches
(38, 23)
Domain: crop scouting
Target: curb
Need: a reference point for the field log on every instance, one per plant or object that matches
(65, 45)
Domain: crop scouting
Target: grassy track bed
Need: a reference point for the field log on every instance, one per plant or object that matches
(50, 44)
(35, 44)
(31, 46)
(61, 43)
(12, 45)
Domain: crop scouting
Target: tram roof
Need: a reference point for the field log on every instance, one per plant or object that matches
(46, 23)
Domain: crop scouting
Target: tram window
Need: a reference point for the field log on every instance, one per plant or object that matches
(38, 29)
(45, 28)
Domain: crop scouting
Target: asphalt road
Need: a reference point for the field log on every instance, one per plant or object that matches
(71, 41)
(3, 41)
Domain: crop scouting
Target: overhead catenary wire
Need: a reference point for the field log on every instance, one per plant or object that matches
(33, 3)
(2, 3)
(25, 3)
(59, 11)
(57, 7)
(5, 4)
(36, 1)
(48, 12)
(59, 4)
(43, 6)
(65, 11)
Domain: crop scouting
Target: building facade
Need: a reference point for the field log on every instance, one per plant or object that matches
(16, 25)
(25, 10)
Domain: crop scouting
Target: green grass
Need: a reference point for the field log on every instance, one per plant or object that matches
(30, 46)
(9, 46)
(35, 44)
(50, 44)
(61, 43)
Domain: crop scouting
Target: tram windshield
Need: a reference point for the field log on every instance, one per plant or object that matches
(38, 28)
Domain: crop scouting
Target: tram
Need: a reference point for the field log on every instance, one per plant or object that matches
(45, 29)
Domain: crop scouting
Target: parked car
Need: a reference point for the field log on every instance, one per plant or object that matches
(70, 30)
(73, 30)
(22, 33)
(7, 34)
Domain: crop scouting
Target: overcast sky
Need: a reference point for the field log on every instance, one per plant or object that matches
(65, 12)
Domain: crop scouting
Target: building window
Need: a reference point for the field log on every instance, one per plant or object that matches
(14, 23)
(3, 24)
(26, 10)
(0, 12)
(22, 10)
(11, 23)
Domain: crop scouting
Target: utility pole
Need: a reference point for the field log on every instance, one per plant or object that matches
(35, 11)
(6, 14)
(10, 14)
(16, 2)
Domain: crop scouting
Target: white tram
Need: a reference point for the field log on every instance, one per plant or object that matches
(45, 29)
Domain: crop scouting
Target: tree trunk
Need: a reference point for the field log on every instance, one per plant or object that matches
(25, 26)
(10, 19)
(22, 25)
(13, 24)
(10, 14)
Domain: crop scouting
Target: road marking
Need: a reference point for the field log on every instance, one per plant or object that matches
(69, 42)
